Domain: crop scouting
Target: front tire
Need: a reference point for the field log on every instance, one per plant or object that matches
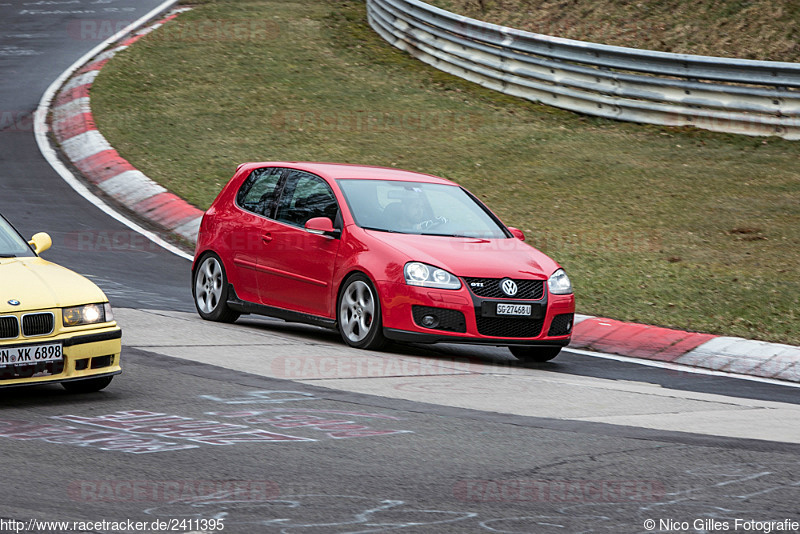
(359, 314)
(534, 354)
(210, 290)
(89, 385)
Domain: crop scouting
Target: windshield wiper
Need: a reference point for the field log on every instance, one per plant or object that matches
(381, 230)
(452, 235)
(8, 255)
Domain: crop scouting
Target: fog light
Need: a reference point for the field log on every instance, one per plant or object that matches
(430, 321)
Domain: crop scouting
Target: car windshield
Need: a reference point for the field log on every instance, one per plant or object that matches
(419, 208)
(11, 244)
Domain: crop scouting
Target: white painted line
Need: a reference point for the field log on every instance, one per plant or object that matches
(681, 368)
(40, 130)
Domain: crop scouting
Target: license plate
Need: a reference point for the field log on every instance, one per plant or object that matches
(31, 354)
(513, 309)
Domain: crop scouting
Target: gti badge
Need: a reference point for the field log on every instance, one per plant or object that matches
(509, 287)
(14, 302)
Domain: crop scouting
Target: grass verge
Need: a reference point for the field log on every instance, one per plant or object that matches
(674, 227)
(767, 30)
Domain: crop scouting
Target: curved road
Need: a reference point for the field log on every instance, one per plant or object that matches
(265, 426)
(39, 39)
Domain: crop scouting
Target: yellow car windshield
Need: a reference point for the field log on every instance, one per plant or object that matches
(12, 245)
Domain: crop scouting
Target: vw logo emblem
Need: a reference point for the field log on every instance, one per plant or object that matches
(509, 287)
(14, 302)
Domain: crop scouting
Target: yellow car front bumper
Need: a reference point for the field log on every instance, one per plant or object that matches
(86, 354)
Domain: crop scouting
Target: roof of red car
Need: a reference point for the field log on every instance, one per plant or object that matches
(337, 171)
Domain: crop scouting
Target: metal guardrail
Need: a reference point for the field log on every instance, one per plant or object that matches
(721, 94)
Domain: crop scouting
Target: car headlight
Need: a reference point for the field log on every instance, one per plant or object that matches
(87, 314)
(559, 283)
(422, 274)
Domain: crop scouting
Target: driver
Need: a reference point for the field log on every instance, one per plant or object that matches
(413, 215)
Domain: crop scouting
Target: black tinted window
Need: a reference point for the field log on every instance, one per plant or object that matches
(306, 196)
(259, 192)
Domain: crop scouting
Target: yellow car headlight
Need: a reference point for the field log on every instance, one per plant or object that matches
(87, 314)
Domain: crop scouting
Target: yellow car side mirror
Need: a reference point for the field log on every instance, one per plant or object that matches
(40, 242)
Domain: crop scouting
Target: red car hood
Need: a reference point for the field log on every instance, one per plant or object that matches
(471, 257)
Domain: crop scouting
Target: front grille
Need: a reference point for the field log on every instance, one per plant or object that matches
(38, 324)
(490, 288)
(9, 327)
(501, 327)
(450, 320)
(561, 325)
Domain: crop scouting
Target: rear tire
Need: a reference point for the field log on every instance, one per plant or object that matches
(534, 354)
(210, 290)
(359, 314)
(89, 385)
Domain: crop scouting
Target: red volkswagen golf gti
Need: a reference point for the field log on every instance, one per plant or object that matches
(379, 254)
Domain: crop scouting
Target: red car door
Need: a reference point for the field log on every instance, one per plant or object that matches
(246, 224)
(296, 266)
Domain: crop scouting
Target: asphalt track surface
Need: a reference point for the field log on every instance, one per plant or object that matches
(180, 441)
(38, 41)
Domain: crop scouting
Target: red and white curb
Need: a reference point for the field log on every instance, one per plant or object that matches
(73, 127)
(733, 355)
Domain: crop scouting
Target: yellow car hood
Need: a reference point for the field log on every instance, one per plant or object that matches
(38, 284)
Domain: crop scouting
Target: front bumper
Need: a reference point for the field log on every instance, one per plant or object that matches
(86, 354)
(462, 317)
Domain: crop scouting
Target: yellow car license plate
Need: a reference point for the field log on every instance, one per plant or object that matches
(29, 354)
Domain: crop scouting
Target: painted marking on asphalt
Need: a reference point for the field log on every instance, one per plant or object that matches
(178, 427)
(82, 437)
(143, 431)
(320, 420)
(300, 513)
(263, 396)
(303, 418)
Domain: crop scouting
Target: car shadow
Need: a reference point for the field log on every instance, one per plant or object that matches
(46, 394)
(479, 355)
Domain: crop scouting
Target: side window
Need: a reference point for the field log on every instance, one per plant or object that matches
(306, 196)
(259, 191)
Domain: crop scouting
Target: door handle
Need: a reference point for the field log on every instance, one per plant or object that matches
(266, 238)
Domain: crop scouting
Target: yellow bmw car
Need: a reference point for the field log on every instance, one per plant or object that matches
(55, 325)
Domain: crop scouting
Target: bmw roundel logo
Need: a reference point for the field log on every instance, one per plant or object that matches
(509, 287)
(14, 302)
